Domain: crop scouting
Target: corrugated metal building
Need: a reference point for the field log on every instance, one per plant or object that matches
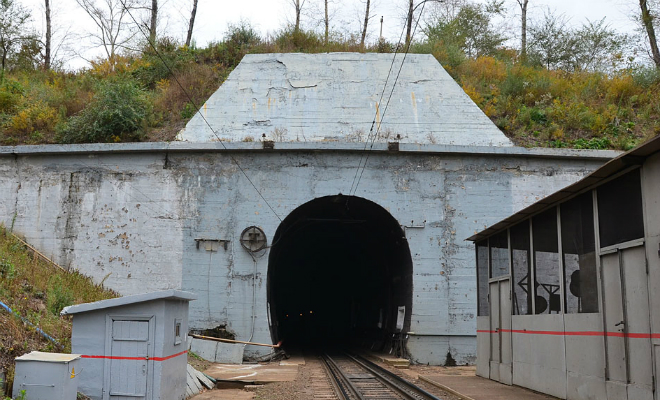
(569, 287)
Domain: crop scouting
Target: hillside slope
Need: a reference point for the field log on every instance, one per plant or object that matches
(36, 291)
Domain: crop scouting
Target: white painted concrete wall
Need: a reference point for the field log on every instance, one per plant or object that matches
(127, 215)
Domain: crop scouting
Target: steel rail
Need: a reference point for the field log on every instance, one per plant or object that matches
(341, 380)
(334, 380)
(393, 380)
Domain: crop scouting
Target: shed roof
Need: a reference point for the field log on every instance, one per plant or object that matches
(636, 156)
(335, 97)
(126, 300)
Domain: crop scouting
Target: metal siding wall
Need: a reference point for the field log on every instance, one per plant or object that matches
(483, 346)
(585, 358)
(651, 193)
(539, 361)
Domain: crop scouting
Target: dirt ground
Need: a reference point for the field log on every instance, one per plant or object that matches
(302, 389)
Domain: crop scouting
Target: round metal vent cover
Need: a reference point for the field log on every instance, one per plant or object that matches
(253, 239)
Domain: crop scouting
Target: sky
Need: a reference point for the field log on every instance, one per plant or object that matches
(268, 16)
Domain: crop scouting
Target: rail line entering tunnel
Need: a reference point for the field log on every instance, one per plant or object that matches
(356, 378)
(339, 271)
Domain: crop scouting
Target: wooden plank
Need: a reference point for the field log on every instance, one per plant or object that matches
(204, 380)
(275, 346)
(192, 378)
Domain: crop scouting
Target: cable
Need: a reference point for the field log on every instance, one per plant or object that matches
(153, 46)
(388, 100)
(380, 100)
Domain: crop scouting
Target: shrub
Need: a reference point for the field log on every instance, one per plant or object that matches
(291, 40)
(646, 76)
(155, 66)
(10, 94)
(34, 117)
(197, 81)
(58, 296)
(119, 111)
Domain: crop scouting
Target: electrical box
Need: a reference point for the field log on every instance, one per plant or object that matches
(47, 376)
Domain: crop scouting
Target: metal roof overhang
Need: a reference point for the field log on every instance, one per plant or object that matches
(634, 157)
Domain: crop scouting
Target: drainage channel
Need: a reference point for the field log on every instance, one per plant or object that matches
(357, 378)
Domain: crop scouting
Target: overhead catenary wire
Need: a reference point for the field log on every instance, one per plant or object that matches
(377, 134)
(380, 100)
(153, 46)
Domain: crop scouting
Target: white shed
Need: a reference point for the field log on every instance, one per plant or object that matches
(134, 346)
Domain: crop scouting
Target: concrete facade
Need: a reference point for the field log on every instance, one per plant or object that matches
(601, 340)
(340, 97)
(128, 215)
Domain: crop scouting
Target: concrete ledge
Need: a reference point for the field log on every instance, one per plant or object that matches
(392, 361)
(444, 387)
(217, 351)
(213, 147)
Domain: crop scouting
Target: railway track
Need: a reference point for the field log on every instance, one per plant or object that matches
(356, 378)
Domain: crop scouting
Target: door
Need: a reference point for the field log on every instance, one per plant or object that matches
(627, 320)
(129, 367)
(500, 337)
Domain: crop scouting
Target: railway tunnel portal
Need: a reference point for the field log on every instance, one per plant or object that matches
(339, 270)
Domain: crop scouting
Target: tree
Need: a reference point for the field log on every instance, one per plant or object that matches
(14, 19)
(553, 44)
(114, 28)
(49, 35)
(191, 23)
(326, 21)
(154, 20)
(366, 23)
(468, 30)
(298, 6)
(409, 20)
(648, 19)
(598, 47)
(523, 27)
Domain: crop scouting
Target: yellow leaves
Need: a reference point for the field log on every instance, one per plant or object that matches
(490, 110)
(488, 69)
(162, 85)
(117, 65)
(35, 117)
(621, 86)
(556, 132)
(473, 93)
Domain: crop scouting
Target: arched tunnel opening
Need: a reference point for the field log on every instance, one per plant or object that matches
(339, 272)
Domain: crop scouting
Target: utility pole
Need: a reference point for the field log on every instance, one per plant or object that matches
(381, 27)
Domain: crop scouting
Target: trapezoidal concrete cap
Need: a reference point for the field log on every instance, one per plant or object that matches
(336, 97)
(126, 300)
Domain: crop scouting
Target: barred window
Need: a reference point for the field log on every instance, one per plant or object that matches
(522, 269)
(620, 215)
(546, 263)
(578, 245)
(482, 278)
(499, 255)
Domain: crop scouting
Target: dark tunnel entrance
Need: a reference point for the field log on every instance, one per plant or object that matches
(339, 269)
